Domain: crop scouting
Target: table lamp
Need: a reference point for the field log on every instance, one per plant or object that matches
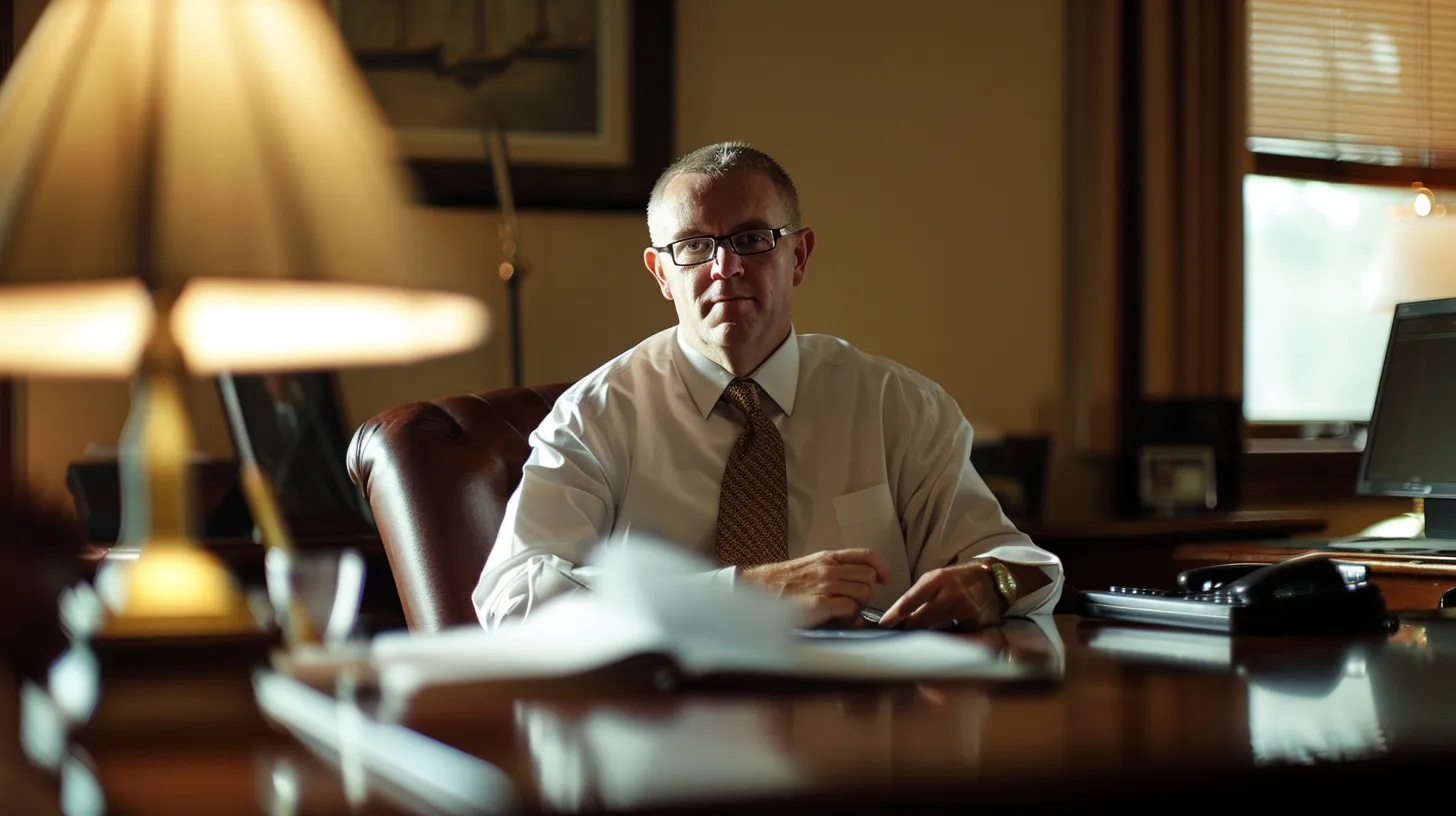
(200, 186)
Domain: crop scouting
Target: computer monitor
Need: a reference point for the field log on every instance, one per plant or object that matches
(1410, 446)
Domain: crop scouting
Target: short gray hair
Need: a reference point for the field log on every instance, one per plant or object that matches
(719, 160)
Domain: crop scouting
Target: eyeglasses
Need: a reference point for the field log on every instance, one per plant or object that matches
(701, 248)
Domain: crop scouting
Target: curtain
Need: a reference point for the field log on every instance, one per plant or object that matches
(1154, 207)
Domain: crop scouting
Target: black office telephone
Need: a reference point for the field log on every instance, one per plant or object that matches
(1307, 594)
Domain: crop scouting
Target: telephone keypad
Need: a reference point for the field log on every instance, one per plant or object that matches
(1201, 597)
(1141, 591)
(1307, 593)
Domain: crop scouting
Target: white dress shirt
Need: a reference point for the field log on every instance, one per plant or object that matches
(878, 457)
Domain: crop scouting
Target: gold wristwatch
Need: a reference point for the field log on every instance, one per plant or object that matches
(1003, 579)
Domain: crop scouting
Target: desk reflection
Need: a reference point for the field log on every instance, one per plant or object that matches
(619, 758)
(1314, 703)
(627, 755)
(719, 750)
(1303, 722)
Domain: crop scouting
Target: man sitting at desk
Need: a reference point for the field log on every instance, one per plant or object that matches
(803, 465)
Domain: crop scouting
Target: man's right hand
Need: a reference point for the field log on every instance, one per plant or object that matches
(829, 585)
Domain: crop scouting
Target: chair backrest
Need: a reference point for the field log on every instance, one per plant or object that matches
(437, 476)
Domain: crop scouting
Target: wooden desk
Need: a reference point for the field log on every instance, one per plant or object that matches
(1098, 553)
(1142, 716)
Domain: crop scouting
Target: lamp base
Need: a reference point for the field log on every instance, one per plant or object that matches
(161, 703)
(163, 668)
(173, 589)
(170, 643)
(172, 693)
(167, 645)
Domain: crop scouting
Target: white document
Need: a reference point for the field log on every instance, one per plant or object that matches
(653, 598)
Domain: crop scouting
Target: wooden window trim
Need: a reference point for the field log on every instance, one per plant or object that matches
(1281, 464)
(1343, 172)
(1284, 465)
(1284, 478)
(1293, 462)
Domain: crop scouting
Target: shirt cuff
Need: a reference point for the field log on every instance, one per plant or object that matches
(1043, 600)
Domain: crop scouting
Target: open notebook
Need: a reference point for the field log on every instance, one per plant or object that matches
(652, 598)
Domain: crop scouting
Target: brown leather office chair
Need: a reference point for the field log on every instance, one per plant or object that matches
(437, 476)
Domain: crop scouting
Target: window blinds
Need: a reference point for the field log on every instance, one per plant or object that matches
(1369, 81)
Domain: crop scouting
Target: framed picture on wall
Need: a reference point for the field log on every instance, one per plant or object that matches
(580, 89)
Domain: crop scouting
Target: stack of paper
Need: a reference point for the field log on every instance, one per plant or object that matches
(651, 598)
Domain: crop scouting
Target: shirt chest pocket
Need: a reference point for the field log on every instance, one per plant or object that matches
(868, 520)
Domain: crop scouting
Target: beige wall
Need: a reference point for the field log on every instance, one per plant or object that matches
(926, 139)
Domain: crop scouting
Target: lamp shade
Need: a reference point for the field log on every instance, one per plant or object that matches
(221, 157)
(1416, 261)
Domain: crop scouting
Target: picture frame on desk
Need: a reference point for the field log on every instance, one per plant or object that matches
(1214, 424)
(581, 91)
(1177, 478)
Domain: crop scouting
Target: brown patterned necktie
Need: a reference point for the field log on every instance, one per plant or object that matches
(753, 507)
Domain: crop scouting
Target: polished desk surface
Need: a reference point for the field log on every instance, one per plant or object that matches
(1137, 714)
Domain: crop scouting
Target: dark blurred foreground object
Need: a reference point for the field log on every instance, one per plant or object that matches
(40, 556)
(77, 703)
(40, 550)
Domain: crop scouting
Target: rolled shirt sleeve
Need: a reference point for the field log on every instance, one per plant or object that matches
(562, 508)
(950, 515)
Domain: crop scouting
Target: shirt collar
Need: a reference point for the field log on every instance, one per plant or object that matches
(778, 376)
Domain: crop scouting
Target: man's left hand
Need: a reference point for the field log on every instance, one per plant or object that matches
(960, 595)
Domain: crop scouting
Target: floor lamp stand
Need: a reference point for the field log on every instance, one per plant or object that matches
(511, 270)
(513, 294)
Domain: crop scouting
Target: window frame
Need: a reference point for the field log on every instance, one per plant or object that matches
(1320, 460)
(1317, 460)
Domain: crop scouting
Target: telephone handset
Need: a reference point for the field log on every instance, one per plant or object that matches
(1307, 594)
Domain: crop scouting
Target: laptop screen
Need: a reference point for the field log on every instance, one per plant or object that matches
(1410, 447)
